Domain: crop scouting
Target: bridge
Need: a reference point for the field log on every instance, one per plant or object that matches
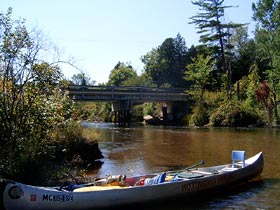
(123, 98)
(118, 93)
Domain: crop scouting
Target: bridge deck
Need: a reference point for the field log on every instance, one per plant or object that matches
(117, 93)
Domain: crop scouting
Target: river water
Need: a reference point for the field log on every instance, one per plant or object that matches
(141, 150)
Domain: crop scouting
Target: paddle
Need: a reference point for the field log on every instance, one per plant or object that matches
(195, 165)
(188, 168)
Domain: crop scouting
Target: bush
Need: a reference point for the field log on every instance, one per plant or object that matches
(71, 140)
(200, 117)
(69, 143)
(234, 114)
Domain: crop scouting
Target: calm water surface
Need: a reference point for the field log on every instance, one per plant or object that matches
(138, 150)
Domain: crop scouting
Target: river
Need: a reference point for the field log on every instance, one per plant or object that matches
(138, 150)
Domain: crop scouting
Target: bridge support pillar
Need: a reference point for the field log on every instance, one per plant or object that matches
(121, 110)
(164, 114)
(122, 117)
(172, 111)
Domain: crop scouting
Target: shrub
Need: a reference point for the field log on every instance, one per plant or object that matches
(200, 117)
(234, 114)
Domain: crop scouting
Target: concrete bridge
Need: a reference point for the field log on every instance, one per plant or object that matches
(123, 98)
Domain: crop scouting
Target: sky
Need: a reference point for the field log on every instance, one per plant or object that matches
(97, 34)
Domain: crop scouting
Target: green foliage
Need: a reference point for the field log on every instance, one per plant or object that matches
(149, 109)
(81, 79)
(137, 113)
(249, 86)
(198, 73)
(243, 53)
(200, 117)
(71, 140)
(33, 106)
(141, 81)
(166, 63)
(154, 109)
(92, 111)
(212, 100)
(234, 114)
(120, 74)
(71, 150)
(202, 112)
(214, 32)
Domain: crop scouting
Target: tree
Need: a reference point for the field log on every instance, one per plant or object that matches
(142, 80)
(267, 15)
(214, 32)
(198, 73)
(153, 66)
(32, 104)
(166, 63)
(81, 79)
(120, 74)
(243, 53)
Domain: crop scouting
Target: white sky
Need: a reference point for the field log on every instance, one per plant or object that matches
(100, 33)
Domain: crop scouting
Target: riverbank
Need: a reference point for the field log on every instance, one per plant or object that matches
(69, 163)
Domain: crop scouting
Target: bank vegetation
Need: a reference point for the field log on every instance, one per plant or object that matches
(37, 130)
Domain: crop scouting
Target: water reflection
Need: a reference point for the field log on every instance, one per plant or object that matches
(138, 150)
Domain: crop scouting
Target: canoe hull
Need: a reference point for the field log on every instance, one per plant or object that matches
(26, 197)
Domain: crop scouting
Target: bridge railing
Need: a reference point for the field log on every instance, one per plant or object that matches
(116, 93)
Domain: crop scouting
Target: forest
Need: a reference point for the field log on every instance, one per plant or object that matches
(232, 78)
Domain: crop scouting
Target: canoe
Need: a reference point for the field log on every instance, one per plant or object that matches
(118, 190)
